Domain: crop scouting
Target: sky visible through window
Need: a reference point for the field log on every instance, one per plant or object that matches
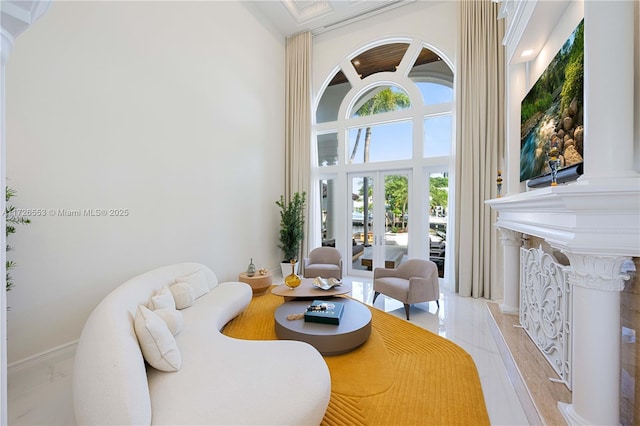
(393, 141)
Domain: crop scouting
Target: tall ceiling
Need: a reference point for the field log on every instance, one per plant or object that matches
(530, 21)
(295, 16)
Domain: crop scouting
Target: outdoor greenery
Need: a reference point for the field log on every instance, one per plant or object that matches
(439, 192)
(291, 225)
(13, 219)
(397, 196)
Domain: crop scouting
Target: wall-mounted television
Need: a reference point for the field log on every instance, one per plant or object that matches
(551, 115)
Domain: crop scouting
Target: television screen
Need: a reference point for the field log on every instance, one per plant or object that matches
(551, 115)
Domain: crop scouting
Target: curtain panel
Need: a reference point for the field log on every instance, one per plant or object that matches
(298, 121)
(480, 134)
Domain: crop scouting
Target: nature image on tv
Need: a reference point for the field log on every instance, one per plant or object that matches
(551, 114)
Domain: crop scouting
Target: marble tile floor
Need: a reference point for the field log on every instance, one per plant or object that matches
(40, 394)
(525, 360)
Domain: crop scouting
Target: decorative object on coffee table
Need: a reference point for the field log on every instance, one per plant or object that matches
(292, 281)
(325, 283)
(324, 311)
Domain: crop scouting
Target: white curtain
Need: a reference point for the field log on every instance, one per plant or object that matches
(479, 145)
(298, 121)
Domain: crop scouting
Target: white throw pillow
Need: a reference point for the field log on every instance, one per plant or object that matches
(183, 295)
(198, 281)
(163, 299)
(156, 341)
(173, 318)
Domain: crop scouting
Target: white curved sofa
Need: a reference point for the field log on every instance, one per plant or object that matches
(221, 380)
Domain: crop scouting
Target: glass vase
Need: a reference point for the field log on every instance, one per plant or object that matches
(251, 269)
(292, 281)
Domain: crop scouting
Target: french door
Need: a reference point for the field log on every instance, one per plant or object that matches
(378, 219)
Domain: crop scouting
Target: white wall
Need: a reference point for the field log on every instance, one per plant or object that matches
(173, 111)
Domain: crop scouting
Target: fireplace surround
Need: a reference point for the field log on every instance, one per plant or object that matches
(597, 227)
(594, 221)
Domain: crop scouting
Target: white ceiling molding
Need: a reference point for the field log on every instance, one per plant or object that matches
(304, 12)
(294, 16)
(15, 17)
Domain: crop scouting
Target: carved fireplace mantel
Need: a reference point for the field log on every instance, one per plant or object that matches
(594, 221)
(579, 218)
(597, 226)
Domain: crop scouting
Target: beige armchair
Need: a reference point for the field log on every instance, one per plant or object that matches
(325, 262)
(414, 281)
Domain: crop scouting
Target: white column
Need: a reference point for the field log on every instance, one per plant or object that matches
(511, 243)
(516, 90)
(331, 231)
(7, 42)
(17, 19)
(596, 282)
(608, 89)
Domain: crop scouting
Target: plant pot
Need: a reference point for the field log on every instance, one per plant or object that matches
(285, 267)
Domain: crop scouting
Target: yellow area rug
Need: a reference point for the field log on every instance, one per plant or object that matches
(403, 375)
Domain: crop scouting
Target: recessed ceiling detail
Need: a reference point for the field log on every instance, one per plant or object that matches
(306, 11)
(294, 16)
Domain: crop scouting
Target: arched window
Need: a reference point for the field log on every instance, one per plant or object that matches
(385, 120)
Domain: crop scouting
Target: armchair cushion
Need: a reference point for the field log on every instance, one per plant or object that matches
(414, 281)
(325, 262)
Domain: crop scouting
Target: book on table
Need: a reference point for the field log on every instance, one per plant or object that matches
(324, 311)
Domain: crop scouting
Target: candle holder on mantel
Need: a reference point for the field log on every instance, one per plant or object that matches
(499, 183)
(554, 163)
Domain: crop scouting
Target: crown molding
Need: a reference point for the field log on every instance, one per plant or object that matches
(15, 17)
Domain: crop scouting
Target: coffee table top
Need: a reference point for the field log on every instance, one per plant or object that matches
(307, 290)
(329, 339)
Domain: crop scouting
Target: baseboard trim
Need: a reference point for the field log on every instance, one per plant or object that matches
(64, 351)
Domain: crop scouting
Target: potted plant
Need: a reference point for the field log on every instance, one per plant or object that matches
(13, 218)
(291, 229)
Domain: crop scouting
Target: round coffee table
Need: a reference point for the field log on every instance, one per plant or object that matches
(308, 291)
(329, 339)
